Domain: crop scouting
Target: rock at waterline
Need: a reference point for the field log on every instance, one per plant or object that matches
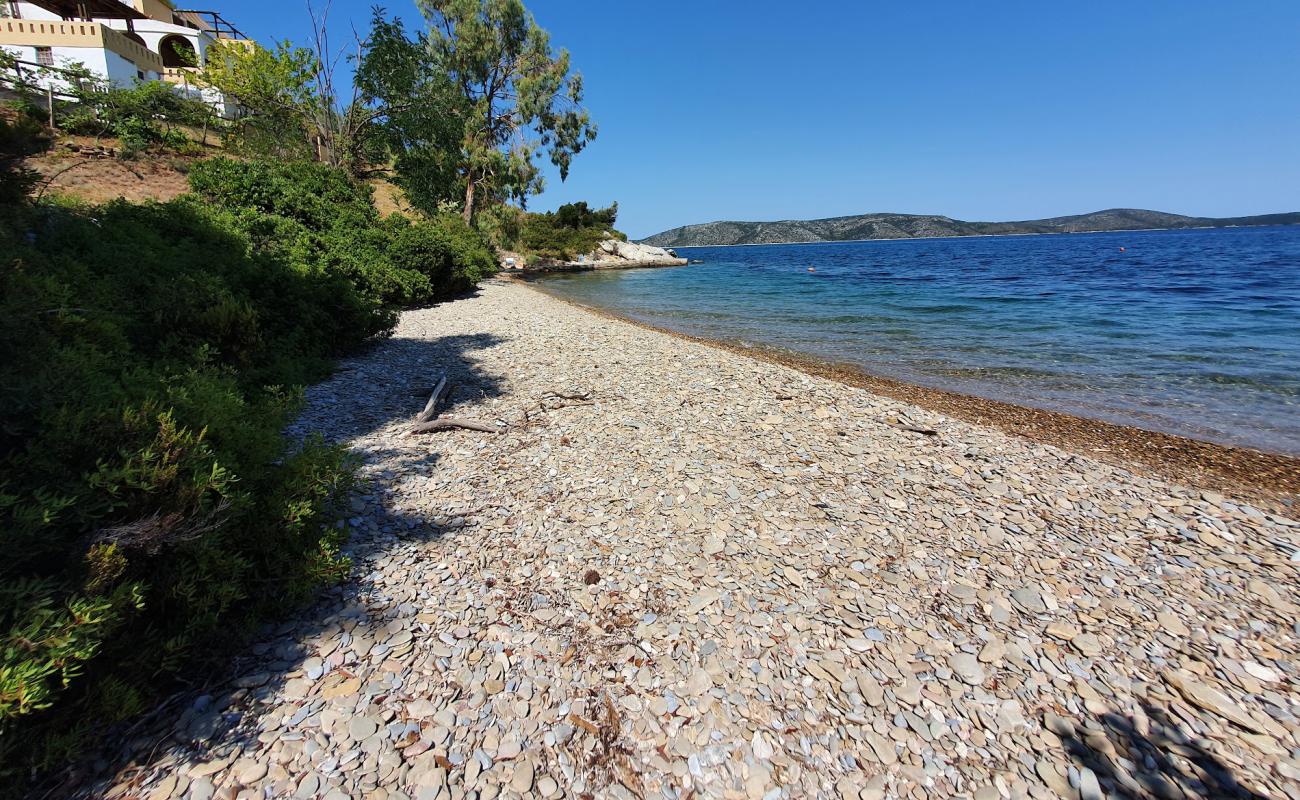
(614, 253)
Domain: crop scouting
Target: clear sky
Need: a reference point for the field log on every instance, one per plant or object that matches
(998, 110)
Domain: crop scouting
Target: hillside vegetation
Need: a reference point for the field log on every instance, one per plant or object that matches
(908, 226)
(150, 355)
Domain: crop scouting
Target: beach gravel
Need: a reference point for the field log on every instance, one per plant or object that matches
(682, 572)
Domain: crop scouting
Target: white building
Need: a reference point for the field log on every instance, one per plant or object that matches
(121, 40)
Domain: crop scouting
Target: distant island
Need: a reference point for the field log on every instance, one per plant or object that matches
(912, 226)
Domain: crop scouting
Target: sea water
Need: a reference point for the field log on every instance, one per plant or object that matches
(1193, 332)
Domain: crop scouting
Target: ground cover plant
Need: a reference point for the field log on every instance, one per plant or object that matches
(150, 356)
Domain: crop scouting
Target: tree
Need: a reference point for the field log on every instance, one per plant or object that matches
(275, 88)
(518, 97)
(578, 216)
(412, 112)
(289, 98)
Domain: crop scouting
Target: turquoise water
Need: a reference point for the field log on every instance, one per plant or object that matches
(1195, 332)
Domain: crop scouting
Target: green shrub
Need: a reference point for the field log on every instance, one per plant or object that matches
(140, 116)
(149, 505)
(150, 508)
(318, 218)
(571, 230)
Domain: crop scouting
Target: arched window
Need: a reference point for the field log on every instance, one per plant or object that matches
(177, 51)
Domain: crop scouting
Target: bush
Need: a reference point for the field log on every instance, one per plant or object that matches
(317, 217)
(148, 502)
(571, 230)
(150, 508)
(20, 136)
(141, 116)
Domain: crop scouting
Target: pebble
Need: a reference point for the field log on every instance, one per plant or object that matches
(967, 667)
(521, 779)
(792, 596)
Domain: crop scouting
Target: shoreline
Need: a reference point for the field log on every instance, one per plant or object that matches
(1201, 464)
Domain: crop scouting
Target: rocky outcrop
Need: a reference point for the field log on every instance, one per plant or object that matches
(610, 254)
(616, 254)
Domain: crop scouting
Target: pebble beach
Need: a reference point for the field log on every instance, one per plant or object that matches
(682, 572)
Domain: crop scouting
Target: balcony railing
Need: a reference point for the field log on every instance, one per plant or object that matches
(93, 35)
(180, 75)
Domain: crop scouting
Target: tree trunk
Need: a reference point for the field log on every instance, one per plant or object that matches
(469, 202)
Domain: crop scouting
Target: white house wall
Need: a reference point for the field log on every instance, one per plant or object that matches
(114, 67)
(121, 71)
(153, 32)
(102, 62)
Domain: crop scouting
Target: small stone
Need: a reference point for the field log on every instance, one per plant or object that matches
(967, 667)
(1058, 725)
(521, 780)
(201, 789)
(362, 728)
(870, 689)
(250, 772)
(1260, 672)
(1089, 787)
(1172, 624)
(168, 787)
(1210, 699)
(992, 652)
(1030, 600)
(1087, 644)
(882, 747)
(699, 682)
(342, 689)
(1010, 717)
(963, 593)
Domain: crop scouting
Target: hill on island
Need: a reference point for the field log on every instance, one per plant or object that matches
(910, 226)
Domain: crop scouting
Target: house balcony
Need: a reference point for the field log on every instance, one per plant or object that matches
(89, 35)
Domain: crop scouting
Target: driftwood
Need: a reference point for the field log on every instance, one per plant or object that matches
(428, 420)
(559, 400)
(922, 431)
(449, 423)
(431, 408)
(579, 396)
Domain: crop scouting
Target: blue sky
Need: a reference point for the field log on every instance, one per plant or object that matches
(760, 110)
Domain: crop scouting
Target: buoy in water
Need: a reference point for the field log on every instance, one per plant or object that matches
(1122, 249)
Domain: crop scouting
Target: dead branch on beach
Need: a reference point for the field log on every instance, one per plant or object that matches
(583, 395)
(451, 423)
(440, 390)
(554, 401)
(428, 421)
(904, 424)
